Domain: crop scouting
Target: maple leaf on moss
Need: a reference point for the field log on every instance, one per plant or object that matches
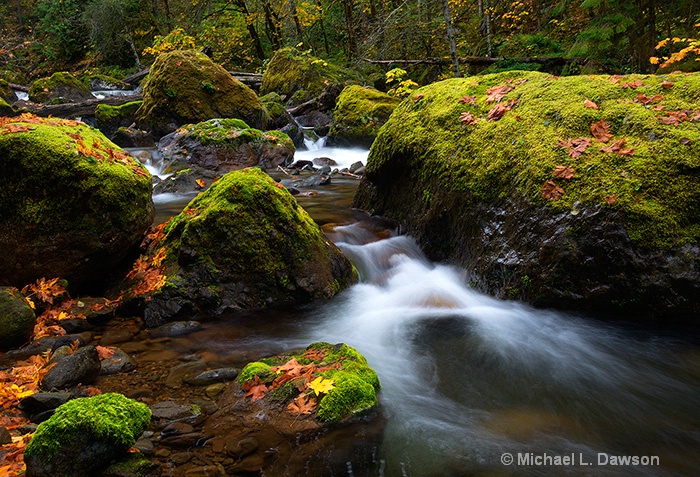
(590, 104)
(496, 94)
(611, 199)
(667, 84)
(468, 118)
(601, 130)
(256, 389)
(617, 148)
(646, 100)
(303, 405)
(467, 99)
(575, 147)
(633, 84)
(551, 191)
(563, 172)
(321, 385)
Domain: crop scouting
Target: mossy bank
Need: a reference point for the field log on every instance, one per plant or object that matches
(576, 192)
(74, 204)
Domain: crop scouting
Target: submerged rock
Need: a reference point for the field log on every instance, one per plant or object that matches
(575, 193)
(186, 86)
(243, 244)
(85, 435)
(74, 204)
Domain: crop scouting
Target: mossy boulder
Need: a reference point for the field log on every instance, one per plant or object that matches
(223, 145)
(243, 244)
(74, 204)
(536, 207)
(5, 108)
(85, 435)
(17, 319)
(111, 118)
(6, 92)
(61, 87)
(358, 115)
(351, 385)
(293, 72)
(186, 87)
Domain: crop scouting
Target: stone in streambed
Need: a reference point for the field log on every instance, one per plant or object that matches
(17, 319)
(85, 435)
(80, 367)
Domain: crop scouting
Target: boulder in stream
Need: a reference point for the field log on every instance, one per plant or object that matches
(186, 86)
(74, 204)
(61, 87)
(85, 435)
(17, 319)
(243, 244)
(576, 193)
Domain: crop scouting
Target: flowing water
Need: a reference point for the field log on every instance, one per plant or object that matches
(469, 381)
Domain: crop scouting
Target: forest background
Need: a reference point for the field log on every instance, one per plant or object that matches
(117, 37)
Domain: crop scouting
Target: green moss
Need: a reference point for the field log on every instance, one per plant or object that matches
(355, 384)
(107, 114)
(656, 188)
(39, 163)
(186, 86)
(361, 111)
(107, 417)
(290, 70)
(41, 89)
(256, 368)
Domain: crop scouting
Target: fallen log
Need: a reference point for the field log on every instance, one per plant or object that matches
(72, 110)
(19, 87)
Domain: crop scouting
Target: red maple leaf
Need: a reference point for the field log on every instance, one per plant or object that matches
(590, 104)
(563, 172)
(496, 94)
(468, 118)
(303, 404)
(551, 191)
(467, 99)
(256, 389)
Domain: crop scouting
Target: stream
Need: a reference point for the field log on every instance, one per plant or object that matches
(472, 385)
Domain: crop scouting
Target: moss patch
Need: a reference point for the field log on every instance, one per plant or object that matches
(57, 86)
(233, 133)
(655, 189)
(353, 384)
(360, 112)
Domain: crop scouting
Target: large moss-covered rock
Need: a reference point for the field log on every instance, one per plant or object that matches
(291, 71)
(61, 87)
(621, 235)
(73, 204)
(358, 115)
(186, 86)
(243, 244)
(111, 118)
(223, 145)
(85, 435)
(17, 318)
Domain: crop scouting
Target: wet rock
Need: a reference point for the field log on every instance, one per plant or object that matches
(356, 166)
(85, 430)
(620, 240)
(214, 390)
(176, 328)
(243, 448)
(180, 373)
(132, 137)
(134, 465)
(117, 335)
(303, 164)
(145, 445)
(41, 402)
(61, 87)
(83, 366)
(191, 439)
(324, 161)
(176, 428)
(17, 318)
(171, 410)
(212, 376)
(207, 471)
(5, 436)
(119, 362)
(180, 458)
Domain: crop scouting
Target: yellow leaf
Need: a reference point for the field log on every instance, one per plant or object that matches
(321, 385)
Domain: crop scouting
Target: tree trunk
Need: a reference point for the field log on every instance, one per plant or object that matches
(323, 29)
(451, 39)
(252, 31)
(350, 29)
(295, 17)
(272, 24)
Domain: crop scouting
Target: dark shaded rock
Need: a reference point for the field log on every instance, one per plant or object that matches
(324, 161)
(212, 376)
(41, 402)
(132, 137)
(171, 410)
(42, 345)
(83, 437)
(176, 428)
(119, 362)
(176, 328)
(356, 166)
(178, 374)
(5, 436)
(134, 465)
(187, 87)
(621, 239)
(83, 366)
(191, 439)
(243, 448)
(17, 319)
(244, 244)
(114, 336)
(78, 215)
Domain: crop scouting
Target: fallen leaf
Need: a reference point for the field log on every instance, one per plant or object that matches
(418, 97)
(467, 99)
(633, 84)
(468, 118)
(500, 109)
(590, 104)
(601, 131)
(667, 84)
(321, 385)
(256, 389)
(45, 290)
(200, 183)
(303, 405)
(611, 199)
(105, 352)
(645, 100)
(496, 94)
(563, 172)
(551, 191)
(575, 147)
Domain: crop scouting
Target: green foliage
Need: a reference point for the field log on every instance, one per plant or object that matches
(530, 45)
(400, 84)
(62, 35)
(175, 40)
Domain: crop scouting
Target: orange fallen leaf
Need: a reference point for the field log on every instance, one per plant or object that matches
(551, 191)
(564, 172)
(590, 104)
(601, 131)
